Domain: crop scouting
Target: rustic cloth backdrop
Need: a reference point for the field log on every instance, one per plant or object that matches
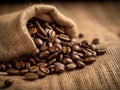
(94, 20)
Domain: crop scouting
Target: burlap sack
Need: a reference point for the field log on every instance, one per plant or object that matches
(14, 37)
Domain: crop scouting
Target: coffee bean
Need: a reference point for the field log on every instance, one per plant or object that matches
(56, 40)
(93, 47)
(89, 60)
(22, 72)
(67, 61)
(80, 64)
(91, 51)
(8, 83)
(42, 64)
(57, 45)
(60, 57)
(27, 65)
(64, 37)
(8, 66)
(44, 70)
(44, 54)
(75, 57)
(71, 66)
(44, 47)
(81, 35)
(33, 31)
(100, 51)
(2, 67)
(50, 44)
(76, 47)
(54, 55)
(52, 61)
(12, 72)
(59, 67)
(31, 76)
(38, 42)
(51, 33)
(36, 52)
(58, 30)
(41, 74)
(95, 41)
(18, 64)
(34, 68)
(32, 61)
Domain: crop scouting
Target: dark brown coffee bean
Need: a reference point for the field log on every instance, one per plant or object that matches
(22, 72)
(66, 56)
(12, 72)
(64, 37)
(89, 60)
(42, 64)
(95, 41)
(56, 40)
(34, 68)
(8, 66)
(22, 64)
(27, 65)
(100, 51)
(53, 49)
(8, 83)
(40, 29)
(93, 47)
(30, 25)
(71, 66)
(54, 55)
(75, 57)
(80, 64)
(57, 45)
(38, 42)
(76, 47)
(18, 64)
(81, 35)
(36, 52)
(2, 67)
(67, 61)
(41, 36)
(86, 53)
(44, 54)
(59, 67)
(60, 57)
(31, 76)
(52, 61)
(41, 74)
(32, 61)
(32, 31)
(44, 47)
(44, 70)
(66, 43)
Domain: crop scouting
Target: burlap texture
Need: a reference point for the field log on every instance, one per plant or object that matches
(14, 37)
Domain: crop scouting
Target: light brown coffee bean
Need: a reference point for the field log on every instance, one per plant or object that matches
(44, 54)
(38, 42)
(22, 72)
(50, 44)
(32, 31)
(64, 37)
(41, 74)
(18, 64)
(51, 33)
(89, 60)
(71, 66)
(34, 68)
(41, 36)
(64, 50)
(12, 72)
(93, 47)
(54, 55)
(52, 61)
(67, 61)
(31, 76)
(56, 40)
(80, 64)
(59, 67)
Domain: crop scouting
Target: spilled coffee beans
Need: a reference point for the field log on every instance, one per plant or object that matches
(55, 53)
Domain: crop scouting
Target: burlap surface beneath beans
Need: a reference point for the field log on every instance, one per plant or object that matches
(103, 74)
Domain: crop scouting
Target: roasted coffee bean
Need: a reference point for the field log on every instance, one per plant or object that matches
(22, 72)
(80, 64)
(75, 57)
(86, 53)
(32, 31)
(32, 61)
(8, 83)
(60, 57)
(40, 29)
(53, 49)
(95, 41)
(54, 55)
(81, 35)
(44, 47)
(18, 64)
(56, 40)
(93, 52)
(57, 45)
(52, 61)
(66, 56)
(44, 54)
(46, 25)
(41, 36)
(89, 60)
(59, 67)
(66, 43)
(44, 70)
(50, 44)
(2, 67)
(34, 68)
(100, 51)
(12, 71)
(8, 66)
(64, 37)
(38, 42)
(41, 74)
(58, 30)
(36, 52)
(51, 33)
(67, 61)
(42, 64)
(31, 76)
(66, 50)
(76, 47)
(71, 66)
(93, 47)
(27, 65)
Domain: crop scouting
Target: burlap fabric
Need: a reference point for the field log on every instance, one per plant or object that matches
(103, 74)
(14, 37)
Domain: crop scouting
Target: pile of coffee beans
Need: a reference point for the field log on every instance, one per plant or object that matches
(55, 53)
